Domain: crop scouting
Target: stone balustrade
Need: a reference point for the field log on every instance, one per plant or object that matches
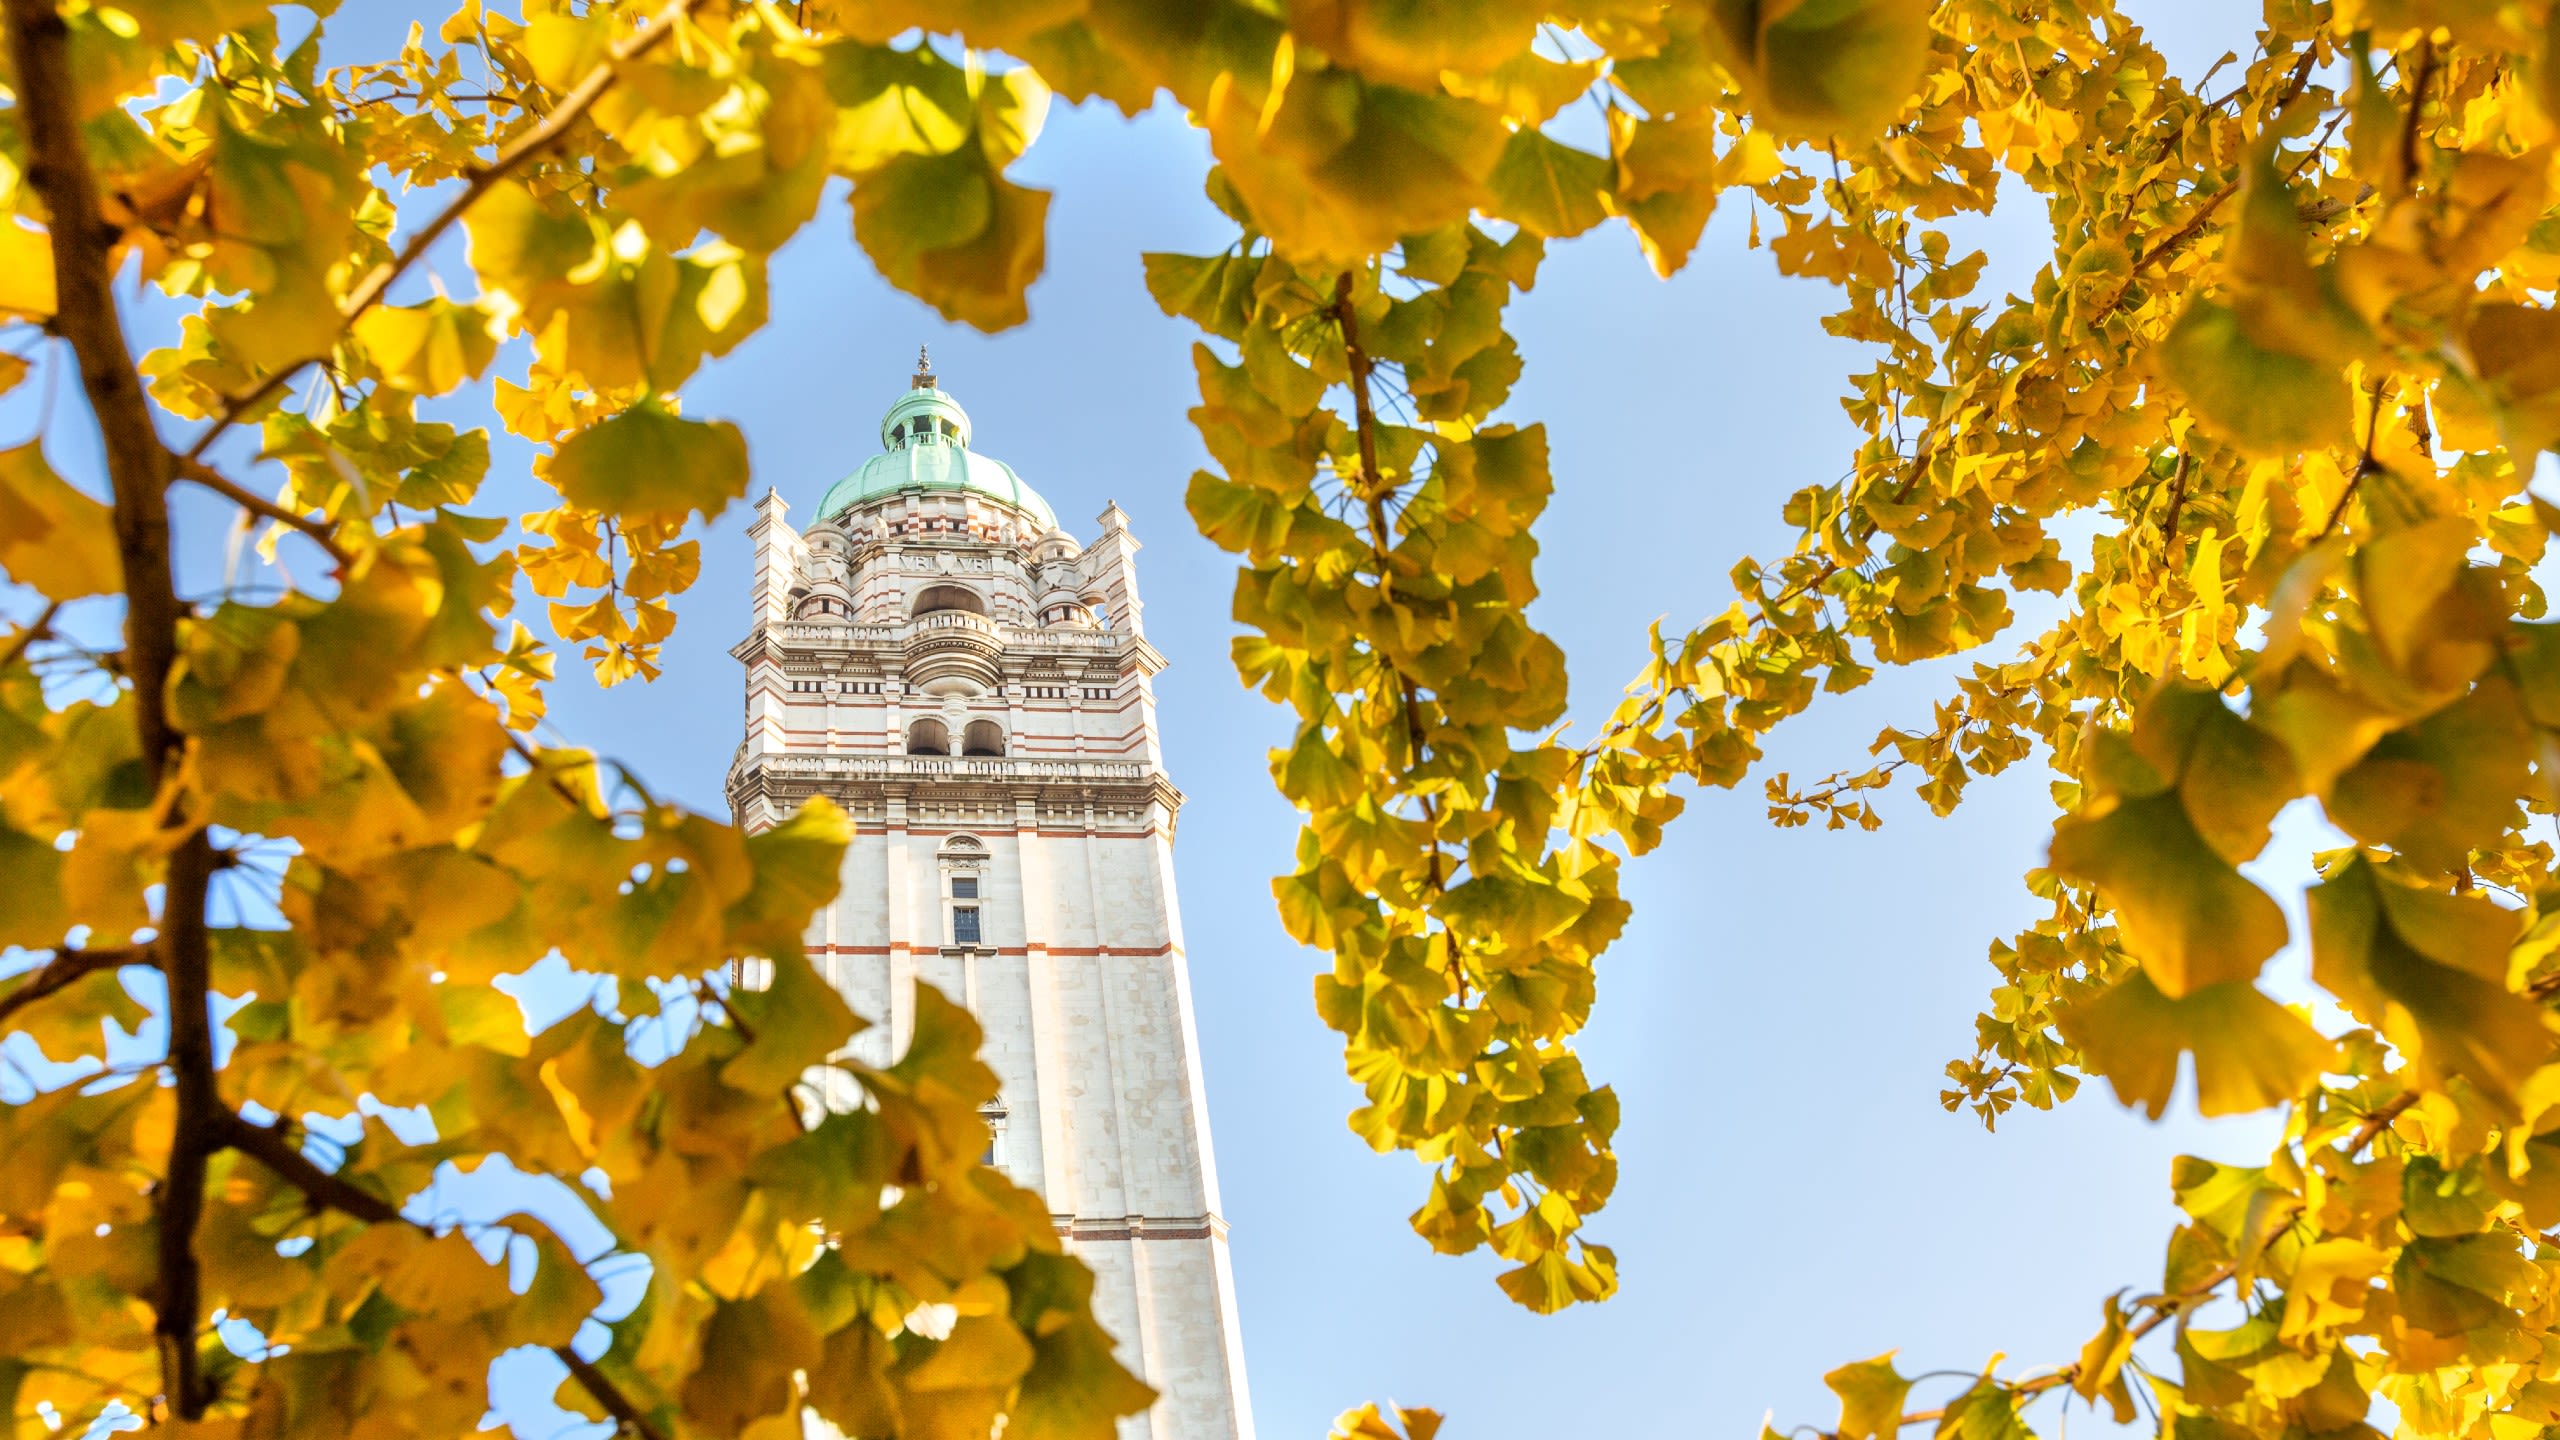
(1000, 769)
(842, 635)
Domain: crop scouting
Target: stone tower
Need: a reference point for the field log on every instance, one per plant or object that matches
(976, 689)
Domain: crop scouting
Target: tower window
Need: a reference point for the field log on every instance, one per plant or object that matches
(964, 925)
(964, 887)
(993, 1112)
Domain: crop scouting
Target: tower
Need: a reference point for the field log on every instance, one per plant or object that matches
(936, 654)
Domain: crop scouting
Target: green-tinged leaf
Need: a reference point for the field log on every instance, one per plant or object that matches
(2249, 1052)
(1823, 67)
(1551, 188)
(2186, 913)
(1872, 1395)
(646, 461)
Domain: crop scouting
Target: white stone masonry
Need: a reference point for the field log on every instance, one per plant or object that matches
(976, 689)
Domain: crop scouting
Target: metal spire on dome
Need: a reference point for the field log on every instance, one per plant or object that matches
(924, 370)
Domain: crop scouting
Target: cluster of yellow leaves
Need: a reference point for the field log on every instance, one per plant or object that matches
(316, 813)
(1462, 944)
(2288, 366)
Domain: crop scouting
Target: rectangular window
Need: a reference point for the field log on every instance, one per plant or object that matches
(964, 887)
(964, 925)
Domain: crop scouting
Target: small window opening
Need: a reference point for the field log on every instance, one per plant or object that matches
(964, 925)
(993, 1112)
(964, 887)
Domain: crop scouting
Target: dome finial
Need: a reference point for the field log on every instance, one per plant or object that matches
(924, 370)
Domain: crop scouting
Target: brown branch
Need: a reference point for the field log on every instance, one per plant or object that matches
(2196, 222)
(2177, 502)
(2379, 1121)
(2417, 104)
(36, 630)
(531, 145)
(66, 968)
(550, 774)
(335, 1192)
(138, 467)
(196, 472)
(608, 1394)
(1374, 492)
(2367, 465)
(1929, 438)
(270, 1148)
(2167, 1307)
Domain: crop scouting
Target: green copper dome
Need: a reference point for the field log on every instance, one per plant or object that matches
(925, 446)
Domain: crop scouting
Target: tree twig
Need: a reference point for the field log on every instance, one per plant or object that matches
(2195, 223)
(2417, 104)
(2364, 466)
(2177, 502)
(1374, 492)
(2167, 1307)
(331, 1191)
(2379, 1121)
(66, 968)
(196, 472)
(335, 1192)
(608, 1394)
(36, 630)
(553, 128)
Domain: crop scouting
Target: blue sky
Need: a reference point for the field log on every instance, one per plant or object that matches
(1779, 1011)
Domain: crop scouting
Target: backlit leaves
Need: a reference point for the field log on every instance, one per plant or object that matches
(51, 536)
(2253, 448)
(647, 462)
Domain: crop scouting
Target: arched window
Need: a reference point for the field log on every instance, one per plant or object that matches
(928, 737)
(982, 737)
(949, 597)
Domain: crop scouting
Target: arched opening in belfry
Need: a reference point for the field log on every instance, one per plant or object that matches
(928, 737)
(982, 737)
(949, 597)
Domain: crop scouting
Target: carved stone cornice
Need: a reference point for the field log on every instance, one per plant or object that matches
(992, 782)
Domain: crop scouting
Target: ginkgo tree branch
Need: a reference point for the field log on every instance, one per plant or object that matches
(196, 472)
(332, 1191)
(2167, 1307)
(532, 144)
(65, 969)
(37, 629)
(1916, 468)
(1373, 491)
(138, 469)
